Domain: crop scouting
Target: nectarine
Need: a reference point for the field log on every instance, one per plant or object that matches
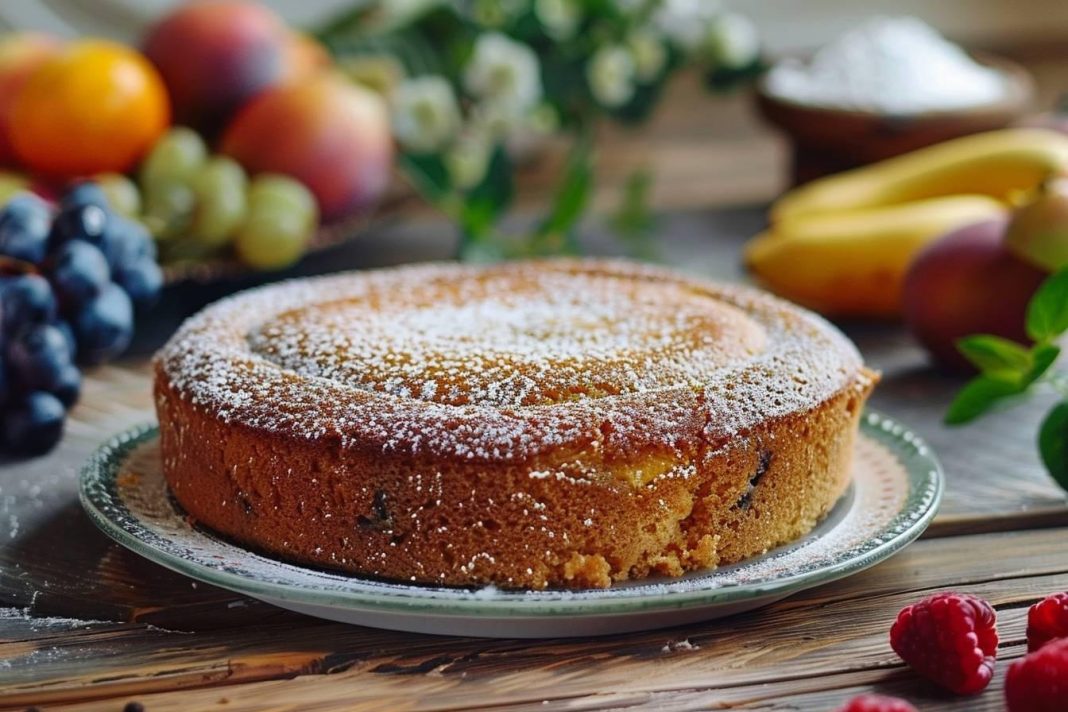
(215, 56)
(328, 133)
(965, 283)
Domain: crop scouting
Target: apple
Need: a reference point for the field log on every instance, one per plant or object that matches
(968, 282)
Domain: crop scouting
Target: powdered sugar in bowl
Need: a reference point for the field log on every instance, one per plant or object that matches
(889, 86)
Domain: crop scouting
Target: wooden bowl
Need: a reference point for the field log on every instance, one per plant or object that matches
(827, 140)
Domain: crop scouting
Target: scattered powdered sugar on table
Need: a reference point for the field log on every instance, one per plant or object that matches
(504, 362)
(675, 645)
(44, 623)
(891, 66)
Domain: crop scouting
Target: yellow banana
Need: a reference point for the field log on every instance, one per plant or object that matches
(996, 164)
(853, 263)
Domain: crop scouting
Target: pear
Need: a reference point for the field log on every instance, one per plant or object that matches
(1038, 229)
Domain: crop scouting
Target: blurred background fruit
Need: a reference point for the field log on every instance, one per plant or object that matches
(332, 136)
(12, 183)
(998, 164)
(71, 281)
(165, 177)
(202, 207)
(853, 262)
(96, 106)
(20, 54)
(842, 244)
(1038, 232)
(303, 55)
(965, 283)
(219, 191)
(216, 56)
(121, 193)
(282, 216)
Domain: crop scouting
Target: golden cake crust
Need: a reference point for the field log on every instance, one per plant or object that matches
(559, 423)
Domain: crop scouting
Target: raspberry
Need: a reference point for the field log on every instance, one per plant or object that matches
(1047, 620)
(949, 638)
(1039, 682)
(876, 703)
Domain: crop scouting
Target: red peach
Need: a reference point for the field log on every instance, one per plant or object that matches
(331, 135)
(20, 54)
(215, 56)
(966, 283)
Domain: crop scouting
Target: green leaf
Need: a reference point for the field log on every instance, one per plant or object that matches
(573, 194)
(1053, 443)
(722, 80)
(979, 396)
(428, 175)
(1042, 357)
(484, 204)
(993, 354)
(1047, 314)
(633, 221)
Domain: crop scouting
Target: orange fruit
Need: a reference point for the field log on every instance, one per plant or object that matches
(95, 107)
(21, 53)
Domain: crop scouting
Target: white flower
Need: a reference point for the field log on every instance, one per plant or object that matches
(493, 120)
(426, 115)
(559, 18)
(732, 41)
(648, 52)
(504, 72)
(610, 74)
(467, 159)
(685, 22)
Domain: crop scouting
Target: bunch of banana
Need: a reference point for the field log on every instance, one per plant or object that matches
(841, 245)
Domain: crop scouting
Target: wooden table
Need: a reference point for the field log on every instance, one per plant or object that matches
(89, 626)
(86, 625)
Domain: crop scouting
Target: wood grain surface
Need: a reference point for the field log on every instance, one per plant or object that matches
(87, 625)
(90, 625)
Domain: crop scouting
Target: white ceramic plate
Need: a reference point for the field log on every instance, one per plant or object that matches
(897, 485)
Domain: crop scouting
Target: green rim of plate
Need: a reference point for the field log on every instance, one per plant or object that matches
(216, 561)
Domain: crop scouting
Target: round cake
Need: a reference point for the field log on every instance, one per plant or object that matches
(533, 424)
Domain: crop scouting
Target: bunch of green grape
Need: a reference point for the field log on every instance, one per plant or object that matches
(199, 205)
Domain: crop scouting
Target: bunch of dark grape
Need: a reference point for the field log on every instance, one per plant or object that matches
(70, 278)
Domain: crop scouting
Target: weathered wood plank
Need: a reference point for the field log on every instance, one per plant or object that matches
(818, 694)
(833, 630)
(684, 675)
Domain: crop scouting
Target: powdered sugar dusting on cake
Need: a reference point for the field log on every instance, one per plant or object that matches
(504, 362)
(497, 339)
